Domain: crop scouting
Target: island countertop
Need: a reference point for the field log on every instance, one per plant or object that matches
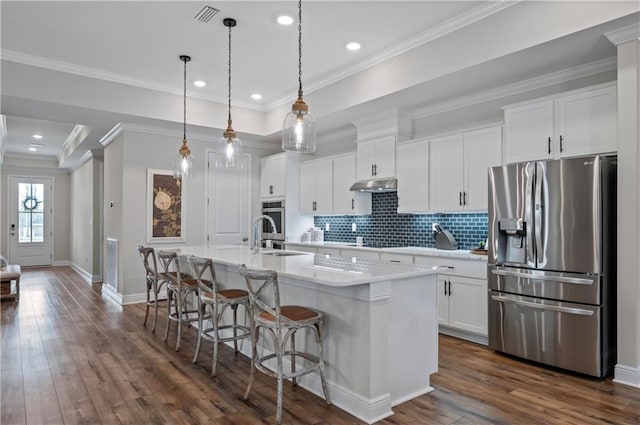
(320, 269)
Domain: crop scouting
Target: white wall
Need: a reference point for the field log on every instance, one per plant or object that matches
(61, 201)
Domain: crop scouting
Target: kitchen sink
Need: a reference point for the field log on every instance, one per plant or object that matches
(284, 253)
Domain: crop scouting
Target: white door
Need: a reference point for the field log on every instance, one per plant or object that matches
(365, 157)
(446, 174)
(482, 149)
(467, 311)
(413, 177)
(324, 186)
(529, 132)
(307, 187)
(228, 200)
(30, 216)
(385, 165)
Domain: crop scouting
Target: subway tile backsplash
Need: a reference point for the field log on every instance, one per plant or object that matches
(386, 228)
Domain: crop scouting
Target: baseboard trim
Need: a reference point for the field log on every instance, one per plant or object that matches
(140, 298)
(627, 375)
(82, 272)
(61, 263)
(411, 396)
(469, 336)
(110, 292)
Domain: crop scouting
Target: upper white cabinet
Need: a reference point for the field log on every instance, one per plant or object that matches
(376, 158)
(344, 200)
(581, 122)
(272, 176)
(316, 187)
(413, 176)
(458, 169)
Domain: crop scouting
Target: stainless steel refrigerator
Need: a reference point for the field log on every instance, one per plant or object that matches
(552, 262)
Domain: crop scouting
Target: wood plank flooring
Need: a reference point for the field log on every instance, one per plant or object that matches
(71, 356)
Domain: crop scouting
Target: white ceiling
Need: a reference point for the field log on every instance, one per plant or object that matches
(137, 44)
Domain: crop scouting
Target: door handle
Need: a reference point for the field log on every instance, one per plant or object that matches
(561, 144)
(449, 288)
(245, 239)
(375, 169)
(549, 145)
(460, 198)
(372, 171)
(464, 198)
(445, 287)
(558, 279)
(570, 310)
(353, 204)
(13, 230)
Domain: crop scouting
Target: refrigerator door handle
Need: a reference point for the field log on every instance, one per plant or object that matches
(558, 279)
(530, 172)
(539, 213)
(569, 310)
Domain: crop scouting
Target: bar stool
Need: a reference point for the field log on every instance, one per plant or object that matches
(282, 323)
(179, 286)
(154, 281)
(217, 301)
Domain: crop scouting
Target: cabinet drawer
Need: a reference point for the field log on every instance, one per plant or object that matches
(329, 251)
(457, 267)
(396, 258)
(365, 255)
(302, 248)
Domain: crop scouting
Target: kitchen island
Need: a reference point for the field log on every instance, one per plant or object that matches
(380, 324)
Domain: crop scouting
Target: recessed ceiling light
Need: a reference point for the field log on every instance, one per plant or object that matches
(199, 83)
(37, 136)
(353, 46)
(256, 96)
(285, 20)
(33, 149)
(35, 146)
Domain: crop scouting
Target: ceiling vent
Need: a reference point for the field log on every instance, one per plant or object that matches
(205, 14)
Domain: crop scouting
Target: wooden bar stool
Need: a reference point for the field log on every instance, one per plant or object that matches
(154, 281)
(282, 322)
(217, 301)
(179, 286)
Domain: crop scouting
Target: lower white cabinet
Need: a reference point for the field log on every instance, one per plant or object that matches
(462, 303)
(329, 251)
(396, 258)
(359, 253)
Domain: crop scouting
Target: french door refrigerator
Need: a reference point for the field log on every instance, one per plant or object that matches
(552, 262)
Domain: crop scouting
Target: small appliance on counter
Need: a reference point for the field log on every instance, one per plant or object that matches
(314, 234)
(444, 239)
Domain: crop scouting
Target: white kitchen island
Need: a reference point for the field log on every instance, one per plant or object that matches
(380, 328)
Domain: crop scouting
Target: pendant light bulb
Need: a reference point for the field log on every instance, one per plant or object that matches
(229, 147)
(183, 162)
(299, 127)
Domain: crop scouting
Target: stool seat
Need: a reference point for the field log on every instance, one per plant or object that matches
(229, 294)
(293, 312)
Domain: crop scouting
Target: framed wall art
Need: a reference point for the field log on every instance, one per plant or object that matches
(165, 207)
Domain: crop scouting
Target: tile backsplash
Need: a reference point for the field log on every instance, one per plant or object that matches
(386, 228)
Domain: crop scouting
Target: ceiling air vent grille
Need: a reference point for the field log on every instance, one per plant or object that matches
(205, 14)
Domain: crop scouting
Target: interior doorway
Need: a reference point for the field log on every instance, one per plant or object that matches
(30, 230)
(228, 200)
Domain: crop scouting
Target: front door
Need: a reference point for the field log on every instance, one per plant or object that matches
(228, 203)
(30, 216)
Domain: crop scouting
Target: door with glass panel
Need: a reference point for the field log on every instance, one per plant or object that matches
(30, 216)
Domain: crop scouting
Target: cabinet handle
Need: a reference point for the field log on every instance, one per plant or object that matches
(561, 144)
(270, 189)
(464, 198)
(460, 198)
(394, 261)
(445, 287)
(549, 145)
(314, 205)
(353, 204)
(449, 288)
(372, 171)
(375, 168)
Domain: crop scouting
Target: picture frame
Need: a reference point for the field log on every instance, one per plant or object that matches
(166, 213)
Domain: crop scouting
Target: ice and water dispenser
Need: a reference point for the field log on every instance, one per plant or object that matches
(512, 241)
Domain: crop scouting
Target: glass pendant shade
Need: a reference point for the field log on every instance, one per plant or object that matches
(228, 152)
(183, 163)
(299, 132)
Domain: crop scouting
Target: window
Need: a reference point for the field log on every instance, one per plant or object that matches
(30, 212)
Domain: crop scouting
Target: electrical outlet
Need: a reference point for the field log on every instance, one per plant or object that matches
(326, 227)
(433, 227)
(353, 227)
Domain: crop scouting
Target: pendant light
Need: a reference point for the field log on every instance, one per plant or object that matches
(299, 129)
(183, 162)
(229, 147)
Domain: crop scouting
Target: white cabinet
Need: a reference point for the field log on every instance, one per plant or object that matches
(376, 158)
(316, 187)
(458, 167)
(413, 176)
(344, 200)
(580, 122)
(272, 176)
(588, 122)
(462, 303)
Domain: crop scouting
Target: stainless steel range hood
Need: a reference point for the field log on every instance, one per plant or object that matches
(380, 185)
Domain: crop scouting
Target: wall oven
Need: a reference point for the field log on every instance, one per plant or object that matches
(275, 210)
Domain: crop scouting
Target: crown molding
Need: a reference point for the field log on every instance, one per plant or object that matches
(111, 135)
(453, 24)
(546, 80)
(624, 34)
(85, 71)
(75, 133)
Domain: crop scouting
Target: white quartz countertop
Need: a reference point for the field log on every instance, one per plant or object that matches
(331, 271)
(408, 250)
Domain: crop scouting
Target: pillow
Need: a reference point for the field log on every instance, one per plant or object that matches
(3, 263)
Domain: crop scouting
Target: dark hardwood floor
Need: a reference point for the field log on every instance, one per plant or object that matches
(71, 356)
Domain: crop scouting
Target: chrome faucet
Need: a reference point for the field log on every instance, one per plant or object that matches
(257, 225)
